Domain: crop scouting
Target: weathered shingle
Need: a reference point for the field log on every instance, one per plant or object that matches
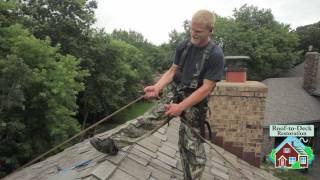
(167, 159)
(148, 145)
(160, 136)
(163, 130)
(104, 170)
(165, 149)
(139, 156)
(288, 103)
(135, 169)
(157, 162)
(150, 158)
(119, 175)
(159, 173)
(146, 151)
(220, 174)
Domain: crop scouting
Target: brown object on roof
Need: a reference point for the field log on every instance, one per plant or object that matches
(288, 103)
(155, 157)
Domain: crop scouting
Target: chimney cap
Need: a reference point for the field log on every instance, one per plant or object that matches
(236, 63)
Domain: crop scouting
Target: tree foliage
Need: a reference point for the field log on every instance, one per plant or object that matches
(254, 32)
(131, 37)
(38, 96)
(66, 22)
(309, 35)
(153, 56)
(38, 91)
(117, 71)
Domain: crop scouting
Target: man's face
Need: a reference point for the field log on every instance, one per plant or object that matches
(199, 34)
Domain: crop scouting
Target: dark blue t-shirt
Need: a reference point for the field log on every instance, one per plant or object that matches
(212, 69)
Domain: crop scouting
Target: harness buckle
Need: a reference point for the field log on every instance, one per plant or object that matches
(194, 84)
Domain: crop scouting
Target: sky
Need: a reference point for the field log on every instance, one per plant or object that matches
(155, 19)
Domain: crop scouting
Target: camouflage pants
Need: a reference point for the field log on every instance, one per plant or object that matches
(144, 124)
(192, 151)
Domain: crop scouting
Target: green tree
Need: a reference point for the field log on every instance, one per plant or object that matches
(38, 96)
(254, 32)
(136, 70)
(118, 71)
(162, 57)
(131, 37)
(66, 22)
(9, 13)
(105, 83)
(309, 35)
(152, 56)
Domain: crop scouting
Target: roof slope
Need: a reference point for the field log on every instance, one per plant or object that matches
(155, 157)
(298, 71)
(288, 103)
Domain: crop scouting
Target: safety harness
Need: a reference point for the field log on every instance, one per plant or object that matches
(181, 88)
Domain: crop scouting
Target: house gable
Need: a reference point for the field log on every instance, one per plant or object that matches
(286, 151)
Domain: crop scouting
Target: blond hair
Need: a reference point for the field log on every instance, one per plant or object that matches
(205, 17)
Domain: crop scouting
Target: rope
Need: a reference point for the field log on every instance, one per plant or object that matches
(142, 137)
(80, 133)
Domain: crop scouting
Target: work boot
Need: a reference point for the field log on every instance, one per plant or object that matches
(106, 146)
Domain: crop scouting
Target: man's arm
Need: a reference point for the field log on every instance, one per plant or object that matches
(167, 77)
(153, 91)
(194, 98)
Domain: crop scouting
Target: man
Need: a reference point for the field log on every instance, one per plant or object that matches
(198, 65)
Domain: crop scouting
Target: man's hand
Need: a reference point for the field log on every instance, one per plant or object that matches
(151, 91)
(173, 109)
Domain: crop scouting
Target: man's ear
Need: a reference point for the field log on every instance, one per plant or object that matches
(211, 31)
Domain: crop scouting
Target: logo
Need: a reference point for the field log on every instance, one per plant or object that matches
(291, 130)
(292, 154)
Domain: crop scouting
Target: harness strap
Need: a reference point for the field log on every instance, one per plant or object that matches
(206, 54)
(184, 55)
(209, 129)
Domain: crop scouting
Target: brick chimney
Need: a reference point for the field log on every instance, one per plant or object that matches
(236, 118)
(311, 72)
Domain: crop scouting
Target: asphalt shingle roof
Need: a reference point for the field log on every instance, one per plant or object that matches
(288, 103)
(298, 71)
(155, 157)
